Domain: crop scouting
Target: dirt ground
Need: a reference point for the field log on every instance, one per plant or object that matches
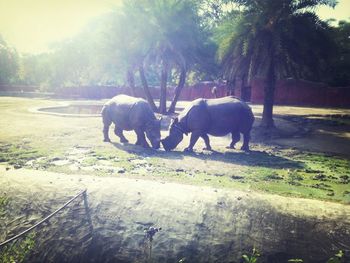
(212, 207)
(319, 132)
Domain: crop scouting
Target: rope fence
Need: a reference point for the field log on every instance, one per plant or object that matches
(51, 215)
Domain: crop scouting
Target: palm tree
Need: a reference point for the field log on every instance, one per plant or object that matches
(176, 44)
(168, 35)
(274, 39)
(340, 66)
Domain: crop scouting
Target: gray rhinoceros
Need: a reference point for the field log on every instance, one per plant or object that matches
(217, 117)
(129, 113)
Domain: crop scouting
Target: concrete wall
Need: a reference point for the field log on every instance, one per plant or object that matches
(288, 92)
(203, 90)
(18, 88)
(103, 92)
(200, 90)
(303, 93)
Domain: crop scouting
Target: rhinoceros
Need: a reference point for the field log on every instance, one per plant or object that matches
(217, 117)
(129, 113)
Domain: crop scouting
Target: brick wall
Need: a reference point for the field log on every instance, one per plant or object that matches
(288, 92)
(18, 88)
(303, 93)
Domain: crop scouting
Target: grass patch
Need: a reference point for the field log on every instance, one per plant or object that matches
(309, 175)
(17, 251)
(77, 142)
(3, 203)
(18, 154)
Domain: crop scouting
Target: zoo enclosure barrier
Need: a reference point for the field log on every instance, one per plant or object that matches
(86, 205)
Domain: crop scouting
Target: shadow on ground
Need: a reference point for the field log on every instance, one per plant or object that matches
(252, 158)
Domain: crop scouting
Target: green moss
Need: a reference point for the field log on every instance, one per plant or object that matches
(18, 154)
(18, 250)
(3, 203)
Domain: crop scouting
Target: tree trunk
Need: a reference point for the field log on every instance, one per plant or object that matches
(131, 81)
(269, 94)
(163, 84)
(178, 90)
(244, 87)
(146, 89)
(230, 87)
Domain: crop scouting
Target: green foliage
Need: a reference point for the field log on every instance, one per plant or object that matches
(252, 258)
(18, 251)
(8, 63)
(86, 59)
(296, 260)
(35, 69)
(17, 155)
(274, 39)
(166, 37)
(285, 32)
(138, 33)
(3, 203)
(182, 33)
(338, 258)
(339, 69)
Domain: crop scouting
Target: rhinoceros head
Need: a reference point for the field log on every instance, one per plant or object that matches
(153, 133)
(175, 136)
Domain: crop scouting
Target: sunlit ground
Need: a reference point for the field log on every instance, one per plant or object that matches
(210, 205)
(305, 157)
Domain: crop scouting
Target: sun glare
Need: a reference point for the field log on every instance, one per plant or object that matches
(31, 25)
(340, 12)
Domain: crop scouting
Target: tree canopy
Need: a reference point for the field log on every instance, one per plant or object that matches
(339, 68)
(165, 36)
(8, 63)
(274, 39)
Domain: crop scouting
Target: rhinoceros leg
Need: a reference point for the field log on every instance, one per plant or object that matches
(206, 141)
(193, 140)
(119, 133)
(246, 138)
(141, 139)
(106, 123)
(235, 138)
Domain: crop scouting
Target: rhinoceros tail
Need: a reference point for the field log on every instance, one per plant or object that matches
(103, 111)
(247, 121)
(251, 114)
(251, 117)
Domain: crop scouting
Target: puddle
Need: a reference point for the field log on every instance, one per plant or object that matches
(79, 109)
(89, 110)
(82, 109)
(60, 162)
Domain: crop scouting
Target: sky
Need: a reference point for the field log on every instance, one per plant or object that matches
(31, 25)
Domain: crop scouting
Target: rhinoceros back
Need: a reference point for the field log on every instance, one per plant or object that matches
(228, 112)
(217, 116)
(194, 111)
(196, 103)
(128, 112)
